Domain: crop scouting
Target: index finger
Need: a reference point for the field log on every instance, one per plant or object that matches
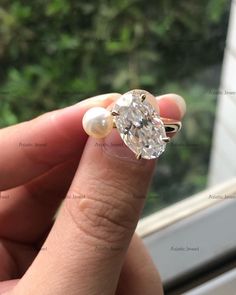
(32, 148)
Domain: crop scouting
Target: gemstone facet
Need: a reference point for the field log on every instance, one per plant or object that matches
(139, 124)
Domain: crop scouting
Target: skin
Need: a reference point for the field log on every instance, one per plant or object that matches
(90, 246)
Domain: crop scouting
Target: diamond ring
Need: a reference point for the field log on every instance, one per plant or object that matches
(135, 116)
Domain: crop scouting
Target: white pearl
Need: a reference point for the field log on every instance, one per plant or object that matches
(97, 122)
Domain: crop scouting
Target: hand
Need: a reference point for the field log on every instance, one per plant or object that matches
(91, 247)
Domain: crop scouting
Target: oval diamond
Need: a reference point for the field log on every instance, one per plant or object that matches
(139, 124)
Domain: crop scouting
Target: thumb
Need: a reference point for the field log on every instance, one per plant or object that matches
(86, 247)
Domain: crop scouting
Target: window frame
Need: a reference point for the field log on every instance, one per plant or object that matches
(192, 223)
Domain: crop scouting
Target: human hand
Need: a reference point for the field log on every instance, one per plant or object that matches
(91, 247)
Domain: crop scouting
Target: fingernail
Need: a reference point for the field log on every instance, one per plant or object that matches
(180, 102)
(115, 147)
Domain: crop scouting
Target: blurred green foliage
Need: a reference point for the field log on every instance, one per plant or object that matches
(55, 53)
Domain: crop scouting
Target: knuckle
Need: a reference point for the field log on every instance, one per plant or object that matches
(105, 215)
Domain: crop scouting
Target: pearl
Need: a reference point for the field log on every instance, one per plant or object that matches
(97, 122)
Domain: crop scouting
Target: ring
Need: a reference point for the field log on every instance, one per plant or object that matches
(135, 116)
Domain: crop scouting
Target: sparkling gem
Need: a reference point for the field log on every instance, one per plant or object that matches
(139, 124)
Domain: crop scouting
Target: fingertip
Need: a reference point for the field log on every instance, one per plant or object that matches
(172, 106)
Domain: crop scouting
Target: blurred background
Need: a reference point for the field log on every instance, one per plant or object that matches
(56, 53)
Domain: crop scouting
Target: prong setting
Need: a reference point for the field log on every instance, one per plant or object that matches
(143, 97)
(139, 156)
(114, 113)
(166, 139)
